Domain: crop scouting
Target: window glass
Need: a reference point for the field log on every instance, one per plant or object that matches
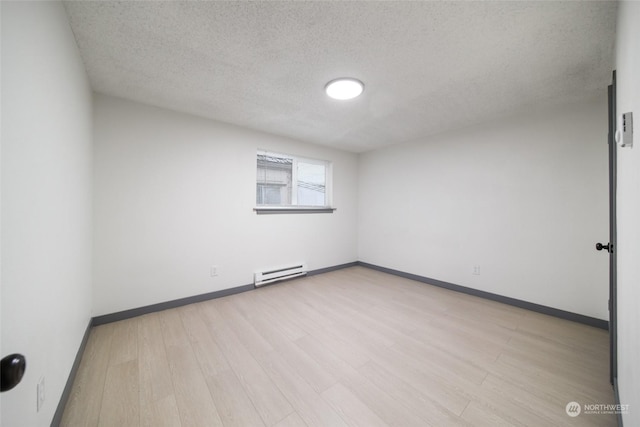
(289, 181)
(311, 184)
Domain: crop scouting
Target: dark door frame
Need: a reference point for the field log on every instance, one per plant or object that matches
(613, 249)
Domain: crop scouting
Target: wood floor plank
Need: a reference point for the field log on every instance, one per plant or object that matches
(263, 393)
(120, 406)
(350, 352)
(297, 312)
(160, 413)
(275, 330)
(481, 416)
(549, 409)
(564, 331)
(460, 344)
(233, 403)
(85, 401)
(389, 409)
(350, 408)
(293, 420)
(486, 311)
(349, 347)
(153, 367)
(195, 404)
(124, 345)
(561, 368)
(158, 406)
(455, 361)
(306, 307)
(534, 343)
(250, 338)
(362, 341)
(209, 355)
(210, 312)
(416, 402)
(547, 384)
(325, 357)
(307, 403)
(429, 378)
(307, 367)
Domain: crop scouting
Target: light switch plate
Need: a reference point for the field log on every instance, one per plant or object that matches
(626, 130)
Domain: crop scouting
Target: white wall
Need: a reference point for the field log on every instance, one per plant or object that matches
(174, 195)
(628, 99)
(46, 203)
(525, 198)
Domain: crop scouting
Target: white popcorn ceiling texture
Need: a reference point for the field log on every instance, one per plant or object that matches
(427, 66)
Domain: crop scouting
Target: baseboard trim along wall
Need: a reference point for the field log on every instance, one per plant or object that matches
(134, 312)
(332, 268)
(57, 417)
(140, 311)
(567, 315)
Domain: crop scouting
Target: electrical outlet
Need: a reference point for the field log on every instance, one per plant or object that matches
(214, 270)
(40, 392)
(476, 270)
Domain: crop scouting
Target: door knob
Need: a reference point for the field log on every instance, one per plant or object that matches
(12, 369)
(600, 246)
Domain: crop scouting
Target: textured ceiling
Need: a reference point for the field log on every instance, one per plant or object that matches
(427, 66)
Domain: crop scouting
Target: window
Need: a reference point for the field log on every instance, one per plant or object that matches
(288, 183)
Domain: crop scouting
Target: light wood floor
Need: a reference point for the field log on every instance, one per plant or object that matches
(354, 347)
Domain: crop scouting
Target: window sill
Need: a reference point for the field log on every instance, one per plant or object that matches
(292, 210)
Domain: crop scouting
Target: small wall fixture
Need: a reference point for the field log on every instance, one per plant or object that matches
(624, 134)
(344, 88)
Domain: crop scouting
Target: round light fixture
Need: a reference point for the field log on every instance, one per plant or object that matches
(344, 88)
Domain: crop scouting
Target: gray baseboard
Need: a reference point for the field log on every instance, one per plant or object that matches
(332, 268)
(567, 315)
(135, 312)
(57, 417)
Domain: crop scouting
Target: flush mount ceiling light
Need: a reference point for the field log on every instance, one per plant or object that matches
(344, 88)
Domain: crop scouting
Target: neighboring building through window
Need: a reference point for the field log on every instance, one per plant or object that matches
(291, 181)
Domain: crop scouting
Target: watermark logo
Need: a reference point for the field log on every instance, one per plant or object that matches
(605, 408)
(573, 409)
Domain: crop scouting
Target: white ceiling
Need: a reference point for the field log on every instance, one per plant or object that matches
(427, 66)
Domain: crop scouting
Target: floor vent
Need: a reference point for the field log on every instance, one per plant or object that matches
(275, 274)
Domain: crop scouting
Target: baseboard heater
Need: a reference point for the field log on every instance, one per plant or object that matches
(282, 273)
